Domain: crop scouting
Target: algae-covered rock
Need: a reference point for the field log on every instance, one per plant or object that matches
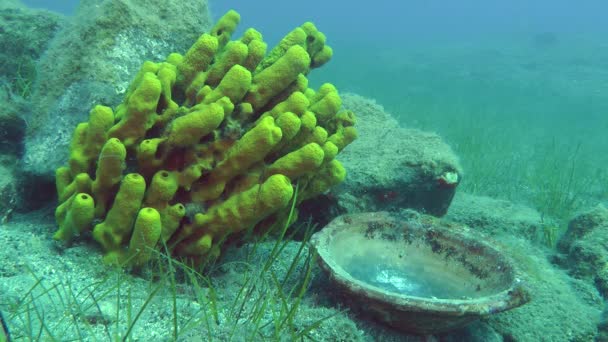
(12, 130)
(585, 248)
(495, 217)
(391, 167)
(24, 36)
(556, 296)
(8, 187)
(93, 59)
(12, 126)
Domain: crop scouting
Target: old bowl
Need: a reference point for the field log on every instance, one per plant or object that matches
(415, 272)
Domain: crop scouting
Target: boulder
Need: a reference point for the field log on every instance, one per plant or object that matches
(92, 60)
(390, 167)
(585, 248)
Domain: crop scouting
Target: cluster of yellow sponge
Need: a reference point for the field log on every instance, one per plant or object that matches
(227, 129)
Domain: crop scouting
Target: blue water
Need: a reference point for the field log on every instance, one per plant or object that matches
(384, 19)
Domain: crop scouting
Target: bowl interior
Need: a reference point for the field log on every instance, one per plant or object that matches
(407, 260)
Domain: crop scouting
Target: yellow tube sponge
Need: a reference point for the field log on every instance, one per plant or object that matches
(315, 40)
(147, 158)
(330, 150)
(234, 85)
(225, 26)
(77, 162)
(140, 111)
(250, 35)
(318, 135)
(331, 174)
(295, 37)
(171, 218)
(81, 183)
(89, 139)
(110, 166)
(147, 67)
(239, 212)
(278, 76)
(75, 217)
(290, 125)
(299, 162)
(296, 103)
(161, 190)
(205, 144)
(256, 203)
(256, 49)
(309, 121)
(322, 57)
(248, 150)
(234, 53)
(101, 119)
(146, 233)
(187, 130)
(326, 102)
(197, 59)
(251, 148)
(167, 75)
(343, 137)
(118, 224)
(63, 178)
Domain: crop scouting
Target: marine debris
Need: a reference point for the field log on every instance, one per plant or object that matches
(417, 273)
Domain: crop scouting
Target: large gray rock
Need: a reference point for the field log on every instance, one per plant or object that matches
(8, 189)
(12, 126)
(495, 217)
(562, 308)
(585, 248)
(24, 35)
(12, 129)
(93, 60)
(389, 167)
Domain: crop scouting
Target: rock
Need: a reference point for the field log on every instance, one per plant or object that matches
(494, 217)
(92, 60)
(389, 167)
(24, 34)
(12, 130)
(12, 126)
(8, 187)
(108, 41)
(603, 327)
(476, 332)
(556, 297)
(585, 248)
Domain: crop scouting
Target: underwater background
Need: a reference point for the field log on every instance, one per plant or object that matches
(518, 90)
